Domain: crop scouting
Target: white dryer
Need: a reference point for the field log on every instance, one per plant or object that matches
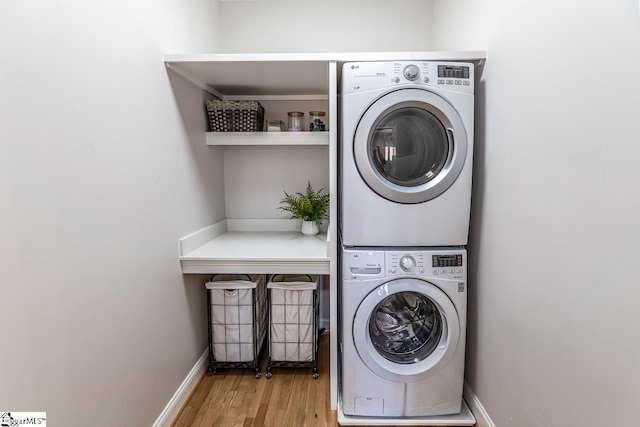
(403, 331)
(406, 153)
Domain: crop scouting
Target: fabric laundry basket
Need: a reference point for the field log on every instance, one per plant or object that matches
(293, 321)
(237, 320)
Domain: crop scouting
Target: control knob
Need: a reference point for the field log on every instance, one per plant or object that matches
(411, 72)
(407, 263)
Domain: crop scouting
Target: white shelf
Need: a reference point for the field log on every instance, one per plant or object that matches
(267, 138)
(228, 76)
(216, 250)
(289, 74)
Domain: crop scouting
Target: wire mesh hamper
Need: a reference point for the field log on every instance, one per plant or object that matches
(237, 321)
(235, 116)
(293, 322)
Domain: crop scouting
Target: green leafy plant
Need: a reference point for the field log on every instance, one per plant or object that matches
(310, 206)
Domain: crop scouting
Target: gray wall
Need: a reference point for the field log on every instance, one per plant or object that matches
(103, 167)
(553, 295)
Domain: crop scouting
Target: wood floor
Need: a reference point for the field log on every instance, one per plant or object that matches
(291, 398)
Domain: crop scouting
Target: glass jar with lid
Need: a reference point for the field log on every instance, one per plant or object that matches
(295, 121)
(316, 121)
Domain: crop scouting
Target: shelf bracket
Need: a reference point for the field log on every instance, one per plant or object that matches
(194, 82)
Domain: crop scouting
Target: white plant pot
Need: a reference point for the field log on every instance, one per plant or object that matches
(310, 228)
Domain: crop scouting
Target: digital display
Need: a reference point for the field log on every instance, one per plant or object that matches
(447, 260)
(453, 71)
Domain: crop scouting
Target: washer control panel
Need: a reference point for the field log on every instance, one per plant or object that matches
(448, 264)
(364, 76)
(365, 263)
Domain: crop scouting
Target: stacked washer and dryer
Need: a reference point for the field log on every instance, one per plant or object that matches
(405, 195)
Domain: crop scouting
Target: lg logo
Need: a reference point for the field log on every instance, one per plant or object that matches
(355, 67)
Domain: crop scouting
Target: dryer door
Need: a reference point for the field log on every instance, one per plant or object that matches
(410, 146)
(406, 330)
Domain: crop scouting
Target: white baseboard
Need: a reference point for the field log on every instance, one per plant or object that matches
(171, 411)
(482, 416)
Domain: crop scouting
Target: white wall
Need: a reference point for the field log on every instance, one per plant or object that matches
(325, 26)
(103, 166)
(554, 241)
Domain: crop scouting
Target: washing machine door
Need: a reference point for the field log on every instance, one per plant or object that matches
(410, 146)
(406, 330)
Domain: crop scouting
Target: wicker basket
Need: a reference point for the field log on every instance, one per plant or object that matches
(235, 116)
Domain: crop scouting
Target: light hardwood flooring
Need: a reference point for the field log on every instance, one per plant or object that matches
(290, 398)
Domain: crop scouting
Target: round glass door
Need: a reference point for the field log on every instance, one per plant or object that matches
(405, 330)
(410, 146)
(405, 327)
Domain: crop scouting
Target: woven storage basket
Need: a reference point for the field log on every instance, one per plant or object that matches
(235, 116)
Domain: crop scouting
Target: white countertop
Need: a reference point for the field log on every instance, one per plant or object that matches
(258, 252)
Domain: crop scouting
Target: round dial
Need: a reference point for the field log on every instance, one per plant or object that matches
(407, 263)
(411, 72)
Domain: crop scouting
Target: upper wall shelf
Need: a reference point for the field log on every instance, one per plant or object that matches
(263, 75)
(279, 74)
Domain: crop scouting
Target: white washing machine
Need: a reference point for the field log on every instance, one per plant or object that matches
(406, 153)
(403, 331)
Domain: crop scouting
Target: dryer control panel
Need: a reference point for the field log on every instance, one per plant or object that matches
(364, 76)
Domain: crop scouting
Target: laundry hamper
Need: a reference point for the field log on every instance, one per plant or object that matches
(237, 321)
(293, 322)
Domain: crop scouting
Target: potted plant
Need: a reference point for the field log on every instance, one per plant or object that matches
(311, 207)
